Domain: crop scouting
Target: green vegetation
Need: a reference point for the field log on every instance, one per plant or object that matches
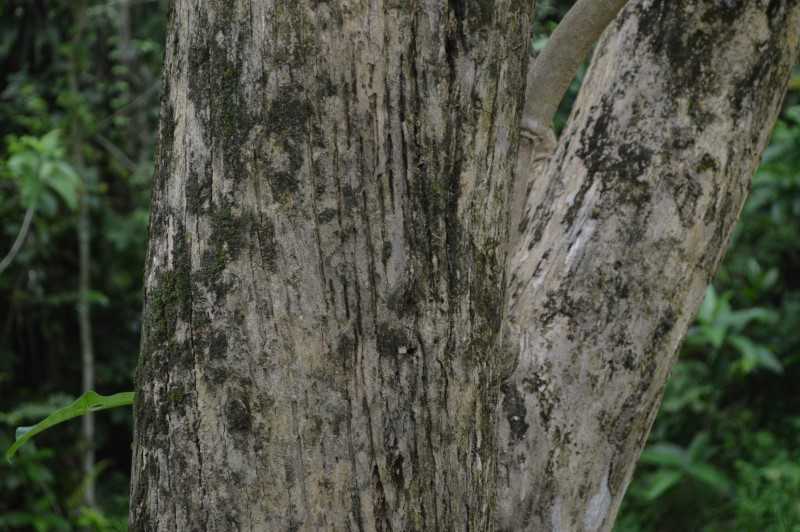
(88, 402)
(724, 453)
(78, 119)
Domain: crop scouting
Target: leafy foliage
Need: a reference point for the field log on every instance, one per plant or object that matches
(39, 167)
(61, 140)
(88, 402)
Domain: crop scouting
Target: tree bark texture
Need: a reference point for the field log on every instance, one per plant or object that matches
(335, 336)
(622, 233)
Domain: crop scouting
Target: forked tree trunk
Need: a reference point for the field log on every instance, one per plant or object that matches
(336, 336)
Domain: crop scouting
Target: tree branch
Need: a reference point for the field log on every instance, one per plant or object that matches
(607, 276)
(23, 232)
(550, 75)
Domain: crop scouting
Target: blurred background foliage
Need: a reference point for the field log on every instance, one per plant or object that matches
(78, 117)
(79, 94)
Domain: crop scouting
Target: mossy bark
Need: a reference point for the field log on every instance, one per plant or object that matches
(622, 232)
(325, 269)
(326, 344)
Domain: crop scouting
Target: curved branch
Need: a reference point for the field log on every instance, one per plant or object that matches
(550, 75)
(23, 232)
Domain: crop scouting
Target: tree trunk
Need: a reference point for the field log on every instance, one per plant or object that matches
(622, 233)
(333, 336)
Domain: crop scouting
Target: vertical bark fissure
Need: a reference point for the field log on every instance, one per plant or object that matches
(355, 183)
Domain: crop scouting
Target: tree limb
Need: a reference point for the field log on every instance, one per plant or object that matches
(550, 75)
(612, 265)
(23, 232)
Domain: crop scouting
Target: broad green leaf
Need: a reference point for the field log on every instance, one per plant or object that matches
(30, 191)
(22, 431)
(98, 297)
(88, 402)
(47, 204)
(50, 143)
(24, 165)
(700, 448)
(665, 454)
(715, 335)
(540, 43)
(740, 318)
(669, 455)
(706, 313)
(35, 410)
(768, 360)
(62, 178)
(756, 355)
(793, 112)
(68, 191)
(64, 170)
(770, 278)
(709, 475)
(661, 481)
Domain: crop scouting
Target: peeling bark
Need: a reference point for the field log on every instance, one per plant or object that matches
(326, 277)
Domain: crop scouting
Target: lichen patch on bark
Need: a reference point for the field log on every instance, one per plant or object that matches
(338, 333)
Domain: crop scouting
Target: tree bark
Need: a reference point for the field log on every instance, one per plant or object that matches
(622, 233)
(335, 336)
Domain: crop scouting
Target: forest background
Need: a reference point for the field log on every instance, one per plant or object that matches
(79, 98)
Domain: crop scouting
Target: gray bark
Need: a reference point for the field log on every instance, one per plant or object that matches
(335, 336)
(622, 232)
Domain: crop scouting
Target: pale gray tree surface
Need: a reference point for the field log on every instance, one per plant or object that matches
(358, 318)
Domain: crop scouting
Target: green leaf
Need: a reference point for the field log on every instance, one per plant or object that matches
(679, 460)
(22, 431)
(50, 143)
(710, 476)
(35, 410)
(62, 178)
(740, 318)
(756, 355)
(700, 447)
(98, 297)
(24, 165)
(67, 192)
(661, 481)
(540, 43)
(715, 335)
(709, 306)
(88, 402)
(665, 454)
